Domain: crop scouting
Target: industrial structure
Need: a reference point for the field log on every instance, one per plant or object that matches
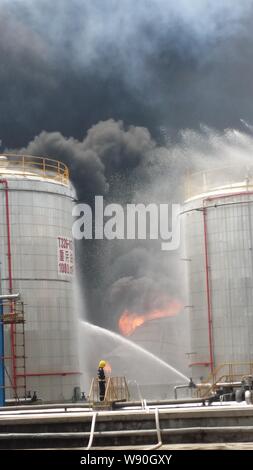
(38, 324)
(38, 332)
(218, 225)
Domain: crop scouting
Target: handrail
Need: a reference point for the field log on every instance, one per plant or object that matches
(231, 371)
(30, 165)
(231, 376)
(218, 178)
(116, 390)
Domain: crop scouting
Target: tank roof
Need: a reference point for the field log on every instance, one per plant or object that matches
(218, 181)
(43, 168)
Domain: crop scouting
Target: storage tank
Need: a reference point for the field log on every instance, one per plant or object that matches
(37, 261)
(218, 220)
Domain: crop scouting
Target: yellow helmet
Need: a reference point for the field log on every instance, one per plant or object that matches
(102, 364)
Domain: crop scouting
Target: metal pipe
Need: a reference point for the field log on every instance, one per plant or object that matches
(191, 384)
(177, 387)
(93, 422)
(74, 435)
(9, 296)
(7, 215)
(219, 384)
(26, 414)
(158, 431)
(30, 406)
(4, 182)
(124, 433)
(186, 401)
(47, 374)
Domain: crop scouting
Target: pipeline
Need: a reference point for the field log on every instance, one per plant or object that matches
(206, 433)
(186, 401)
(4, 182)
(191, 384)
(158, 431)
(9, 296)
(179, 387)
(93, 422)
(48, 374)
(7, 216)
(30, 406)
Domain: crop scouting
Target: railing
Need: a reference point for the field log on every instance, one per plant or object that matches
(29, 165)
(228, 372)
(116, 389)
(223, 178)
(231, 370)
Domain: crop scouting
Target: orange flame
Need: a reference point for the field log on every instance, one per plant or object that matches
(129, 321)
(108, 368)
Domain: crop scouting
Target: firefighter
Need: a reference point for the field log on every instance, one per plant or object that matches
(101, 379)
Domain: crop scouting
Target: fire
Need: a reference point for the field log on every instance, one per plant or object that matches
(108, 368)
(129, 321)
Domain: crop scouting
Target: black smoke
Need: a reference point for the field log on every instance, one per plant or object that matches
(124, 164)
(67, 65)
(108, 87)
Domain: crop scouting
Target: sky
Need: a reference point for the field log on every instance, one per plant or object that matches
(125, 93)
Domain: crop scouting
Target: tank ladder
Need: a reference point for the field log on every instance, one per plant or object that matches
(13, 317)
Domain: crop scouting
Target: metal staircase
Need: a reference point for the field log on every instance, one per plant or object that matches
(227, 373)
(13, 361)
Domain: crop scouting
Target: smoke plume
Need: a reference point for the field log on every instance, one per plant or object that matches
(126, 165)
(67, 65)
(118, 91)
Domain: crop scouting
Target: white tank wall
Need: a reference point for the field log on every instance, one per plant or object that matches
(229, 224)
(40, 212)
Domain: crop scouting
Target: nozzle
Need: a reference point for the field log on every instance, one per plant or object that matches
(192, 384)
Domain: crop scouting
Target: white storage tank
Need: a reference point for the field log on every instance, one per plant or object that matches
(37, 260)
(218, 224)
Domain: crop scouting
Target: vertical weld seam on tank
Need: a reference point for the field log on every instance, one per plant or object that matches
(208, 293)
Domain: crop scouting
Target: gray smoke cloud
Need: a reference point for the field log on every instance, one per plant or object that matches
(126, 165)
(107, 87)
(116, 161)
(108, 148)
(66, 65)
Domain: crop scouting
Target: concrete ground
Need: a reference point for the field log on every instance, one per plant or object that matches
(193, 427)
(213, 446)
